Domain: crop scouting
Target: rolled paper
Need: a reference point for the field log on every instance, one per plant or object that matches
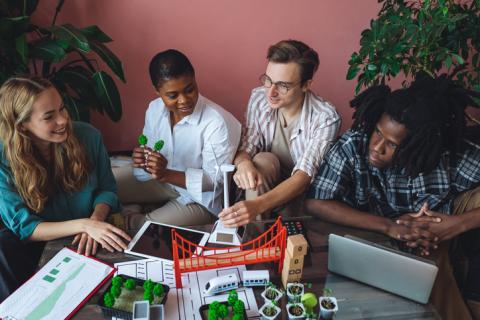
(158, 145)
(142, 140)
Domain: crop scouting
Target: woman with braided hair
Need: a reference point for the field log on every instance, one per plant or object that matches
(406, 169)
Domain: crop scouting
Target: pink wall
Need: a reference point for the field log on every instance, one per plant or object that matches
(226, 41)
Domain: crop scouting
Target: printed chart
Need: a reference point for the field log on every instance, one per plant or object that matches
(57, 289)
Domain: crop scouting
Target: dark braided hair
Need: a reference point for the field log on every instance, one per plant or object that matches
(431, 109)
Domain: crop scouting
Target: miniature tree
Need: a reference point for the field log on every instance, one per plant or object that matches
(239, 307)
(115, 290)
(142, 140)
(158, 145)
(158, 290)
(237, 317)
(213, 310)
(130, 284)
(232, 298)
(222, 311)
(148, 295)
(117, 281)
(148, 285)
(108, 300)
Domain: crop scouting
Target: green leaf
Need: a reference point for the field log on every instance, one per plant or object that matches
(77, 110)
(79, 80)
(371, 67)
(352, 72)
(458, 58)
(95, 33)
(22, 47)
(72, 35)
(48, 50)
(109, 57)
(448, 62)
(107, 94)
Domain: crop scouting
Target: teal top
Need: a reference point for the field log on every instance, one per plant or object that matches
(100, 188)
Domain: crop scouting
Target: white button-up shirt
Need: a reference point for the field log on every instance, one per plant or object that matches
(197, 143)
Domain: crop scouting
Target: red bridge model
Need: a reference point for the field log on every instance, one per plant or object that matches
(270, 246)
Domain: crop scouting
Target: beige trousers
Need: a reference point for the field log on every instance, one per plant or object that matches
(446, 297)
(269, 166)
(166, 208)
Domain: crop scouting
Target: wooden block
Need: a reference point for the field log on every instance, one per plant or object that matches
(292, 275)
(297, 245)
(293, 263)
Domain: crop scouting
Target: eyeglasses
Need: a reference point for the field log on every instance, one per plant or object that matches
(282, 87)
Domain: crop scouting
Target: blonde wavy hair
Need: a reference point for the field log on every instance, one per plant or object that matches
(30, 175)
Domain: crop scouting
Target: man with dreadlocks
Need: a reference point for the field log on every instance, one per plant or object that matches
(406, 169)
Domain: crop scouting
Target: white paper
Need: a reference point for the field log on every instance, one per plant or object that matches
(56, 289)
(184, 303)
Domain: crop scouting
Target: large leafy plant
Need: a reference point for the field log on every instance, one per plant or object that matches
(64, 54)
(410, 36)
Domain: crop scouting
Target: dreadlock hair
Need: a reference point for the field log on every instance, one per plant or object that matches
(431, 109)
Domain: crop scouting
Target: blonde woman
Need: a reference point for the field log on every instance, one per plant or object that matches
(55, 180)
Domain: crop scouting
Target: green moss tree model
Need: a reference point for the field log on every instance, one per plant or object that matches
(130, 284)
(142, 140)
(158, 290)
(148, 295)
(222, 311)
(238, 317)
(148, 285)
(232, 298)
(239, 307)
(158, 145)
(108, 300)
(213, 310)
(117, 281)
(115, 291)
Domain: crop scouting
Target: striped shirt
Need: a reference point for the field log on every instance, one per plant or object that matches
(314, 133)
(347, 176)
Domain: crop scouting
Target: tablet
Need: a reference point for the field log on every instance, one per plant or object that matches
(154, 240)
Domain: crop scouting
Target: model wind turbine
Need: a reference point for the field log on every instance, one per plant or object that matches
(220, 233)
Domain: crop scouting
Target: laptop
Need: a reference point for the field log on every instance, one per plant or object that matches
(400, 273)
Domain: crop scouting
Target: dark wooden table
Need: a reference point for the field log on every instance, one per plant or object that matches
(355, 300)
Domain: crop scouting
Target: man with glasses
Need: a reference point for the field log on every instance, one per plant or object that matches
(288, 131)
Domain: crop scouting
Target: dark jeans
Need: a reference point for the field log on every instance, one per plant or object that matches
(18, 261)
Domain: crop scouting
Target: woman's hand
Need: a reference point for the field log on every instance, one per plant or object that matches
(247, 177)
(86, 244)
(156, 164)
(138, 157)
(110, 237)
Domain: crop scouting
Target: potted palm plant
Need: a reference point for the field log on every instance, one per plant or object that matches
(65, 54)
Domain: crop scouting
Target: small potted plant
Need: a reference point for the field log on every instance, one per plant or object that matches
(271, 293)
(294, 291)
(328, 304)
(296, 311)
(269, 311)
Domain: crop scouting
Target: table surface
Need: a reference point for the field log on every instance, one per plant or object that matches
(355, 300)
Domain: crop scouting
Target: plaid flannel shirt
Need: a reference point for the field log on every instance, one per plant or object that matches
(316, 130)
(346, 175)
